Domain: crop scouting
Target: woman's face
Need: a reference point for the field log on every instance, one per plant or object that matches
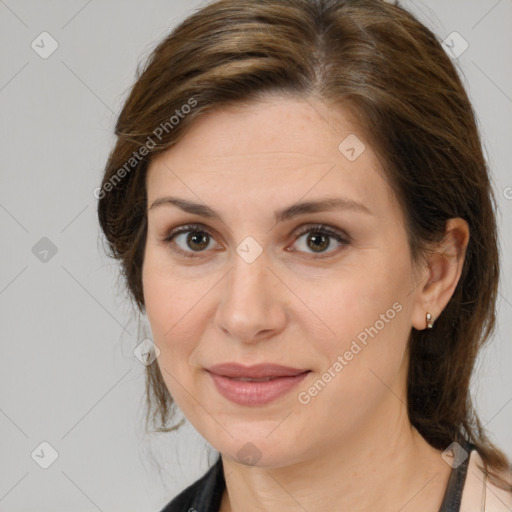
(253, 280)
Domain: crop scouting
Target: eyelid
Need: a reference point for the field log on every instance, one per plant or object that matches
(184, 228)
(323, 228)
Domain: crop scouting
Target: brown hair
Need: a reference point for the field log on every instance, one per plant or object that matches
(378, 59)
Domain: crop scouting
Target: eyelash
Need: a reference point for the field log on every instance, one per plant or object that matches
(319, 229)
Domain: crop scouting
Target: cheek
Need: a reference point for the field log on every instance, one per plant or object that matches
(365, 318)
(172, 305)
(356, 298)
(363, 362)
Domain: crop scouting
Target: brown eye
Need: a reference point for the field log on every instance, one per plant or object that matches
(318, 242)
(316, 239)
(197, 240)
(189, 241)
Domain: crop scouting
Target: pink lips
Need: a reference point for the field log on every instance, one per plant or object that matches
(254, 385)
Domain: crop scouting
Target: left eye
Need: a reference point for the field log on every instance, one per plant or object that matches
(318, 239)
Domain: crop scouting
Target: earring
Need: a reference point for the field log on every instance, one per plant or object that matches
(430, 321)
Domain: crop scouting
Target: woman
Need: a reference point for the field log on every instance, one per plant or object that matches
(301, 207)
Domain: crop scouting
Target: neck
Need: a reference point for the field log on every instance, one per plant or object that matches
(387, 467)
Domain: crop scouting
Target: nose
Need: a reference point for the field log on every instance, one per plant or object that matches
(252, 305)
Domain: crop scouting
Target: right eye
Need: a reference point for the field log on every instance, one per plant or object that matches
(190, 239)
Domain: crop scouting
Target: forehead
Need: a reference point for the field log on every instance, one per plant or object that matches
(277, 150)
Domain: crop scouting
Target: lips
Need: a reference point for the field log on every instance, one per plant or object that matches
(254, 385)
(259, 371)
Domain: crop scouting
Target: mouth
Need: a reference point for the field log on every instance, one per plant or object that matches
(255, 385)
(250, 379)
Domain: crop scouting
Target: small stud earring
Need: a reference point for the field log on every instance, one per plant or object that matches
(430, 321)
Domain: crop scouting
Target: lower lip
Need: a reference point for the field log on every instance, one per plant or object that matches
(255, 393)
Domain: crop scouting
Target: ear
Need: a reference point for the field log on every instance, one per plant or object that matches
(441, 274)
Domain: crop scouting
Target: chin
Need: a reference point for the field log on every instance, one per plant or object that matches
(258, 444)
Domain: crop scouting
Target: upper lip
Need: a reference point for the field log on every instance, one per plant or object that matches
(257, 371)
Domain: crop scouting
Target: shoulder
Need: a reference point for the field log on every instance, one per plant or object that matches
(204, 494)
(475, 494)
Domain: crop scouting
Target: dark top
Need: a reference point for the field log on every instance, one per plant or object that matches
(205, 494)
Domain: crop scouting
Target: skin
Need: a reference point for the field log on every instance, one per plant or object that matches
(352, 446)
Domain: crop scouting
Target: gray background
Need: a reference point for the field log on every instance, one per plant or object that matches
(68, 373)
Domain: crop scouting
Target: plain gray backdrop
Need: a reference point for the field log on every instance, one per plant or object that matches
(69, 377)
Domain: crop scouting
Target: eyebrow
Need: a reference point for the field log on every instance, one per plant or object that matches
(320, 205)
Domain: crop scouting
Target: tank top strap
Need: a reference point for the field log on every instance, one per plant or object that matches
(453, 495)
